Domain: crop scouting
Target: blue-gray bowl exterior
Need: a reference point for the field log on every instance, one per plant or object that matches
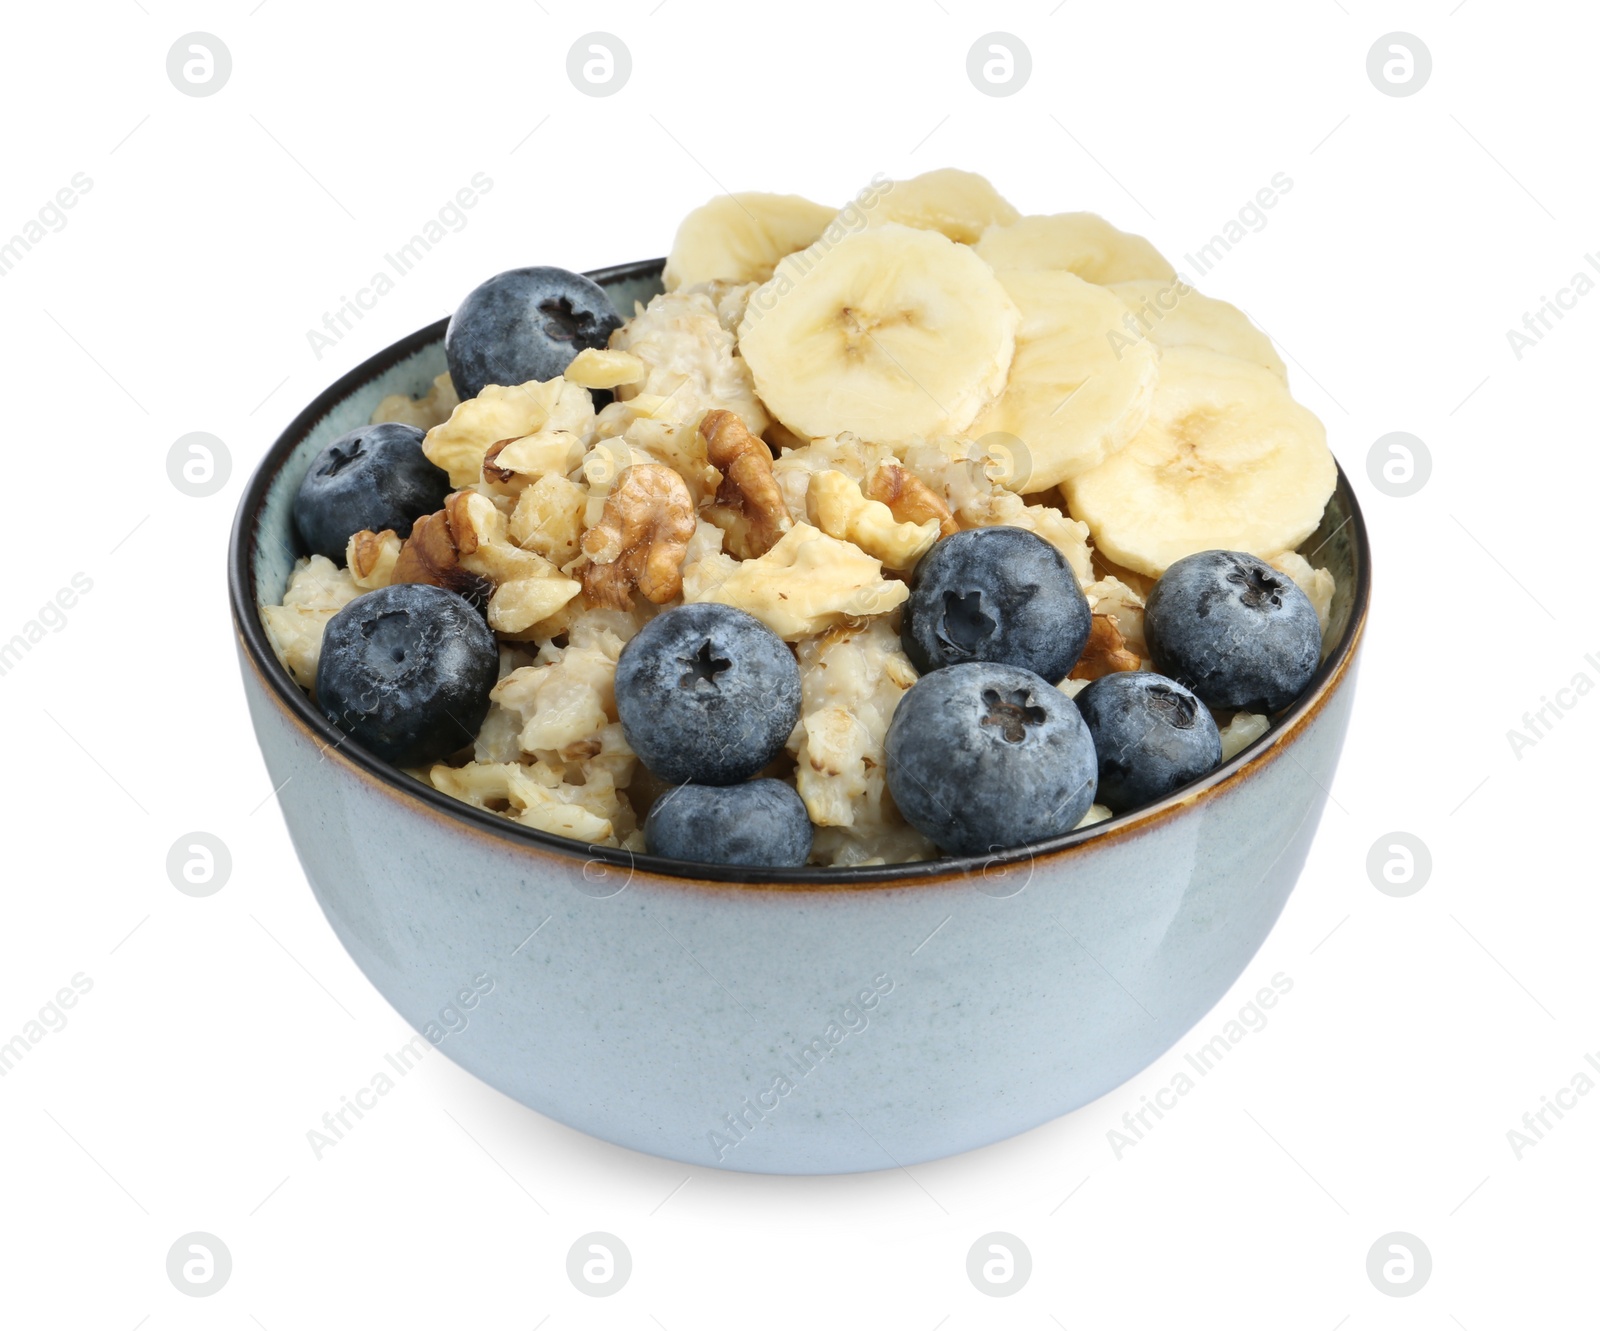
(791, 1021)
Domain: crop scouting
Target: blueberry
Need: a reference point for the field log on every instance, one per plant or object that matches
(527, 323)
(995, 594)
(707, 694)
(367, 479)
(406, 671)
(985, 756)
(1151, 735)
(1234, 629)
(755, 822)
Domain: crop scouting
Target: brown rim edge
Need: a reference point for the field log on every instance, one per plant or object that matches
(296, 705)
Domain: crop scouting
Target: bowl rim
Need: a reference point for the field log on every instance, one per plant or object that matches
(295, 703)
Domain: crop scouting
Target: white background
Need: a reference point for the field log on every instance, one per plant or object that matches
(218, 1031)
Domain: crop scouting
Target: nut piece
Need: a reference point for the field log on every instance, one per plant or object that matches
(835, 504)
(370, 557)
(1105, 653)
(459, 444)
(807, 583)
(909, 499)
(748, 491)
(430, 555)
(596, 368)
(465, 548)
(641, 539)
(548, 519)
(549, 452)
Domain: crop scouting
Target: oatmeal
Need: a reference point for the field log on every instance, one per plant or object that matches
(769, 451)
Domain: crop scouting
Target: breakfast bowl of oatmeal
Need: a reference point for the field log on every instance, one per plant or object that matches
(859, 688)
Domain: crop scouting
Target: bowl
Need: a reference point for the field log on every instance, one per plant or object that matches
(796, 1021)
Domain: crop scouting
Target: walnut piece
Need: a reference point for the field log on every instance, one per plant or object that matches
(430, 554)
(548, 519)
(594, 367)
(466, 548)
(808, 582)
(748, 493)
(641, 539)
(836, 505)
(371, 556)
(549, 452)
(1106, 652)
(909, 499)
(497, 413)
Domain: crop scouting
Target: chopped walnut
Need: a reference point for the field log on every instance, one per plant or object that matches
(1124, 607)
(1105, 653)
(555, 407)
(594, 367)
(908, 498)
(641, 540)
(961, 473)
(857, 458)
(836, 505)
(550, 452)
(371, 557)
(808, 582)
(430, 554)
(748, 495)
(548, 519)
(466, 548)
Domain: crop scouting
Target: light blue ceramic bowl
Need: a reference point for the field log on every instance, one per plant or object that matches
(792, 1021)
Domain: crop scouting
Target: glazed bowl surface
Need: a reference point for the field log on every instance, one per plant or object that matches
(799, 1021)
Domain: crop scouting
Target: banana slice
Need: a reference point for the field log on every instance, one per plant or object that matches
(741, 237)
(1174, 314)
(1226, 461)
(958, 204)
(1079, 387)
(887, 333)
(1081, 243)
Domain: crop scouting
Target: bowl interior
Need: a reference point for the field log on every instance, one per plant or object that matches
(266, 547)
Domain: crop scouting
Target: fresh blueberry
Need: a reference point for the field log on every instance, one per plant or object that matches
(995, 594)
(1151, 735)
(527, 323)
(985, 756)
(1234, 629)
(759, 822)
(368, 479)
(406, 671)
(707, 694)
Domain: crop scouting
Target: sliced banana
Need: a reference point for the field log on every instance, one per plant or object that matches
(741, 237)
(1226, 461)
(958, 204)
(1174, 314)
(888, 333)
(1079, 387)
(1081, 243)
